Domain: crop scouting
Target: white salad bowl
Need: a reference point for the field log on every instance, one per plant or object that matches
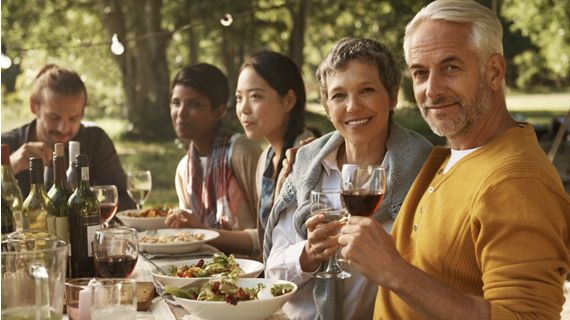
(141, 223)
(265, 306)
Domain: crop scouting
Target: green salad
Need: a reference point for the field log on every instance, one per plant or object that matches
(219, 265)
(225, 289)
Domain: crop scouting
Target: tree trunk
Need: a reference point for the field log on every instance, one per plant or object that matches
(297, 38)
(143, 65)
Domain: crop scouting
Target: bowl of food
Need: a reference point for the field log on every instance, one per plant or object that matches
(183, 273)
(239, 299)
(145, 219)
(172, 241)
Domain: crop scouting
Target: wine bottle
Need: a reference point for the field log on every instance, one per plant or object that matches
(84, 219)
(72, 176)
(7, 217)
(60, 193)
(11, 191)
(38, 208)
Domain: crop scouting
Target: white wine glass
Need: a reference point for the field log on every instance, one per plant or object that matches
(139, 184)
(362, 188)
(108, 197)
(328, 203)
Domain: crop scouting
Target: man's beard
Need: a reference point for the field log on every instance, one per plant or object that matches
(462, 120)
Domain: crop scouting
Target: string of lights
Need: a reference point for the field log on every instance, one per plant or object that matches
(118, 48)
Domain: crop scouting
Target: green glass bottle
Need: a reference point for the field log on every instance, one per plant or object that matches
(60, 193)
(38, 211)
(72, 176)
(11, 191)
(7, 217)
(84, 220)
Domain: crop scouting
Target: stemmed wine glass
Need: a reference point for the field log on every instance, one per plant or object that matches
(328, 203)
(116, 251)
(108, 197)
(362, 188)
(139, 184)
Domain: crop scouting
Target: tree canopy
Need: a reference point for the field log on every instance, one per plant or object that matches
(160, 36)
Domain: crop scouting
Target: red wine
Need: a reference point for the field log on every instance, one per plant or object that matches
(359, 204)
(115, 266)
(107, 211)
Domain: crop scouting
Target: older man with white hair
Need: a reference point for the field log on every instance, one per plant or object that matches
(484, 230)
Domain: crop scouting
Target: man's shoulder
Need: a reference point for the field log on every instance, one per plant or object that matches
(92, 132)
(91, 126)
(16, 136)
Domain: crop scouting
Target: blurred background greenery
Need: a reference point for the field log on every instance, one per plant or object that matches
(129, 93)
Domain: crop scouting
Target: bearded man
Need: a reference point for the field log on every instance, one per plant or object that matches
(484, 230)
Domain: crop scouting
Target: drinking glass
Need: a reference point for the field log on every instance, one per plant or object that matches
(78, 298)
(33, 275)
(328, 203)
(114, 299)
(108, 199)
(139, 184)
(362, 188)
(116, 251)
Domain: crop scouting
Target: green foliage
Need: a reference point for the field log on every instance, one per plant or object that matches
(74, 34)
(547, 24)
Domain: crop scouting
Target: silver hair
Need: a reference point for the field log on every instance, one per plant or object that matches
(486, 29)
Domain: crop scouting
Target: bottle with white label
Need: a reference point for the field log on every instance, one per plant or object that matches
(72, 175)
(84, 220)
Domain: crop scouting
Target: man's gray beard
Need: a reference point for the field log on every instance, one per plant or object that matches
(469, 113)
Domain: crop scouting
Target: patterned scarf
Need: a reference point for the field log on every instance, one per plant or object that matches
(209, 197)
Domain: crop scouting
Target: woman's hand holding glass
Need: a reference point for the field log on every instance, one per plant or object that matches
(327, 214)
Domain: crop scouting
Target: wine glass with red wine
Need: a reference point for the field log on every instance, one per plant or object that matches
(362, 188)
(108, 199)
(328, 203)
(116, 251)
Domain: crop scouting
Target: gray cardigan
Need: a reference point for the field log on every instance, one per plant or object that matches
(405, 155)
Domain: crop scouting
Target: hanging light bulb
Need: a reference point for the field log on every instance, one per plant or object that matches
(226, 20)
(5, 61)
(116, 46)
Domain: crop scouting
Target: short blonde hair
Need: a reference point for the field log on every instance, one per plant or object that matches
(486, 29)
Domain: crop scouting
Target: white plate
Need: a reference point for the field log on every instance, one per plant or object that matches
(243, 310)
(251, 269)
(177, 247)
(141, 223)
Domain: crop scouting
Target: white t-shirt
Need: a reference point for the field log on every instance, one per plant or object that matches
(457, 155)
